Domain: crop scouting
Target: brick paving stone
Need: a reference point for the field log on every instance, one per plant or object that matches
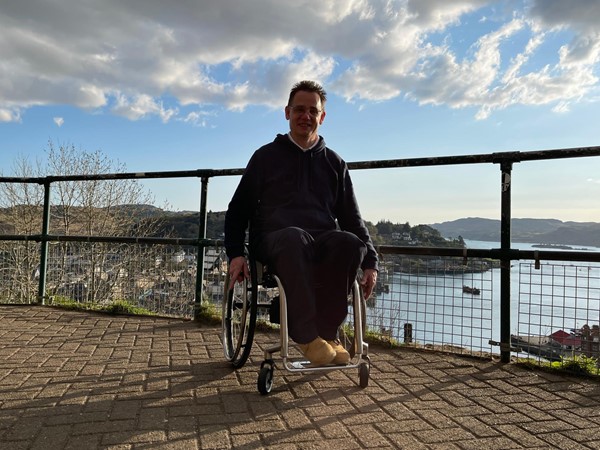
(88, 442)
(51, 437)
(370, 437)
(476, 426)
(332, 428)
(492, 443)
(242, 441)
(77, 380)
(558, 440)
(215, 437)
(523, 437)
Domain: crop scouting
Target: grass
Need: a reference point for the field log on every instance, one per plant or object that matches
(115, 307)
(576, 365)
(209, 313)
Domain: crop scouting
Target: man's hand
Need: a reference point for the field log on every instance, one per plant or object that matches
(238, 270)
(368, 281)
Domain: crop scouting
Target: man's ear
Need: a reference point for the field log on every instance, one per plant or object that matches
(287, 113)
(323, 114)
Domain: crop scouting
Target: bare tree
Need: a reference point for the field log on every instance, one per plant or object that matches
(90, 208)
(21, 213)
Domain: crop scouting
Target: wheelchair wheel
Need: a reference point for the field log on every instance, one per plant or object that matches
(265, 377)
(364, 370)
(239, 321)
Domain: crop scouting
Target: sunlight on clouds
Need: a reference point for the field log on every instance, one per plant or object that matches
(584, 51)
(142, 106)
(363, 50)
(89, 96)
(8, 115)
(312, 66)
(272, 87)
(519, 60)
(197, 118)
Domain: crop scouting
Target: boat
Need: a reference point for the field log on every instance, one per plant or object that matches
(381, 288)
(471, 290)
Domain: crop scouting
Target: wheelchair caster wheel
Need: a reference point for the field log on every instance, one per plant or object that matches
(364, 370)
(265, 378)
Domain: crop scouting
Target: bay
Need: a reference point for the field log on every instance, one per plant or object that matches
(560, 295)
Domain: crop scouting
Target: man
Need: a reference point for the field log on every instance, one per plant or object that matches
(305, 224)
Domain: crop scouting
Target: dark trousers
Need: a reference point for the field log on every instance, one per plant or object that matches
(317, 274)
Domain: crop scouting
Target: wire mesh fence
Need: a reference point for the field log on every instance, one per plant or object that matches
(558, 313)
(441, 303)
(160, 279)
(19, 271)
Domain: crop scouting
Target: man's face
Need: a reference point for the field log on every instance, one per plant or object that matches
(305, 115)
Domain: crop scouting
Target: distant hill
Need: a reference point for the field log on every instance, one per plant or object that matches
(185, 224)
(182, 224)
(535, 231)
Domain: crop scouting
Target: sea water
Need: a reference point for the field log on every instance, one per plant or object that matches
(560, 295)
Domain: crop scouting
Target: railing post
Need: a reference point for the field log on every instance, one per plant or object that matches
(505, 262)
(201, 237)
(44, 244)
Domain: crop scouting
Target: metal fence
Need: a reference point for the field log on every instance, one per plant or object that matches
(443, 304)
(448, 299)
(558, 313)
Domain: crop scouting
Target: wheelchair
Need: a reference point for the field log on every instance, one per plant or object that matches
(262, 298)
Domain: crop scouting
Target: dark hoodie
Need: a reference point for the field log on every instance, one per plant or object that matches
(284, 186)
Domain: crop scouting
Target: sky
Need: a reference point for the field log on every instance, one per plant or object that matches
(185, 85)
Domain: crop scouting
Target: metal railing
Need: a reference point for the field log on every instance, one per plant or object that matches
(504, 254)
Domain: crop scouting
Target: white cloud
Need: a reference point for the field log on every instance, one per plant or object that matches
(562, 107)
(197, 118)
(141, 106)
(9, 115)
(131, 56)
(59, 121)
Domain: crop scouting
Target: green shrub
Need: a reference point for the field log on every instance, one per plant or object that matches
(576, 364)
(580, 364)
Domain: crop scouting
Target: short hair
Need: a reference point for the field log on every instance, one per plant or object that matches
(310, 86)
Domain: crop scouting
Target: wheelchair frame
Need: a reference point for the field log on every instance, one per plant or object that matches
(240, 310)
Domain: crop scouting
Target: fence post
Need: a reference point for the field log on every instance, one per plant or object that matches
(505, 261)
(44, 244)
(201, 237)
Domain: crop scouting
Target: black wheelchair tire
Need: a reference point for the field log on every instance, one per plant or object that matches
(239, 322)
(364, 370)
(265, 378)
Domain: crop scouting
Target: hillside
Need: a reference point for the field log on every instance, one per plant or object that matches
(535, 231)
(186, 224)
(164, 223)
(151, 221)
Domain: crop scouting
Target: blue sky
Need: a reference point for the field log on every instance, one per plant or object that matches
(201, 85)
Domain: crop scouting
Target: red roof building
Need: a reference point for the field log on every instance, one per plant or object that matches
(566, 340)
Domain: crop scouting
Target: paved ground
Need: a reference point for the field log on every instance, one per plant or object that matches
(72, 380)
